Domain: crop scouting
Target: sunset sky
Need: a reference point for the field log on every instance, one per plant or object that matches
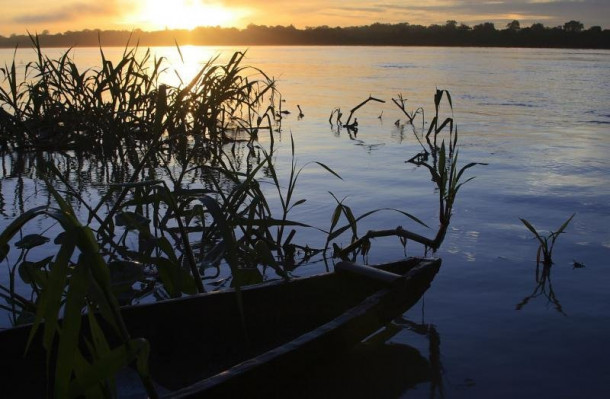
(62, 15)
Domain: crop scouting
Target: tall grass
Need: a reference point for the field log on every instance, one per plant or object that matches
(546, 243)
(54, 105)
(122, 112)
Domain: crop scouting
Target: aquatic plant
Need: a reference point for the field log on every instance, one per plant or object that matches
(137, 122)
(286, 199)
(443, 168)
(55, 106)
(546, 242)
(184, 205)
(441, 160)
(66, 287)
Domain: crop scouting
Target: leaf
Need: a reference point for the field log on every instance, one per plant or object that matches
(142, 357)
(264, 254)
(269, 222)
(31, 241)
(415, 219)
(4, 250)
(243, 277)
(131, 220)
(565, 224)
(347, 211)
(59, 239)
(194, 192)
(299, 202)
(187, 283)
(336, 216)
(179, 51)
(50, 298)
(555, 235)
(175, 279)
(470, 165)
(31, 272)
(365, 247)
(124, 272)
(164, 245)
(214, 255)
(449, 98)
(101, 347)
(70, 330)
(532, 229)
(329, 170)
(107, 366)
(167, 277)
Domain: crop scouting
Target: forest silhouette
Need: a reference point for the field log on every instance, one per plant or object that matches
(569, 35)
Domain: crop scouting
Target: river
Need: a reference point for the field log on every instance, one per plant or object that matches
(539, 119)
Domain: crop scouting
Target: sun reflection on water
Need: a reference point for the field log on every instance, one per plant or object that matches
(184, 62)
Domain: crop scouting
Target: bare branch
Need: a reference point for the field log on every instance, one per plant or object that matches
(398, 232)
(371, 98)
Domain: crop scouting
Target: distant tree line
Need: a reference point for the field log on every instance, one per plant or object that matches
(570, 35)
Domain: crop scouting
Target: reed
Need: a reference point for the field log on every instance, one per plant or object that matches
(441, 160)
(546, 242)
(55, 106)
(124, 111)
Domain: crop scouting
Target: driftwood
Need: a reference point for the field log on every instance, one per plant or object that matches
(398, 232)
(353, 126)
(351, 113)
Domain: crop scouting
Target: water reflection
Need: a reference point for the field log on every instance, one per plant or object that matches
(378, 368)
(87, 184)
(434, 354)
(543, 287)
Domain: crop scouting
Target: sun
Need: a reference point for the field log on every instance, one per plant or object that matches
(182, 14)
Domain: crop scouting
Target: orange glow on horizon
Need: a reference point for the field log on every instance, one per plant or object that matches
(181, 14)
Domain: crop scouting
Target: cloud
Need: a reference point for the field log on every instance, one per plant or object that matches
(591, 12)
(588, 11)
(72, 11)
(360, 9)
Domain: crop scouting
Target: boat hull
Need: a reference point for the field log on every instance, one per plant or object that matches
(203, 344)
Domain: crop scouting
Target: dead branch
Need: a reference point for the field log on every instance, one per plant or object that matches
(402, 104)
(398, 232)
(371, 98)
(339, 115)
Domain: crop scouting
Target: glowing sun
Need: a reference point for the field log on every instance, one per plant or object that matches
(182, 14)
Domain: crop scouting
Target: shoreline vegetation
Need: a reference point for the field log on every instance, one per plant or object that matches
(571, 34)
(182, 207)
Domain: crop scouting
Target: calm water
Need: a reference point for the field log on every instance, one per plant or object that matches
(540, 119)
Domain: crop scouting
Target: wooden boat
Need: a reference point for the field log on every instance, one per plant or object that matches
(201, 346)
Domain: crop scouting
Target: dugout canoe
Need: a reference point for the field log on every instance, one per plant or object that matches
(201, 346)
